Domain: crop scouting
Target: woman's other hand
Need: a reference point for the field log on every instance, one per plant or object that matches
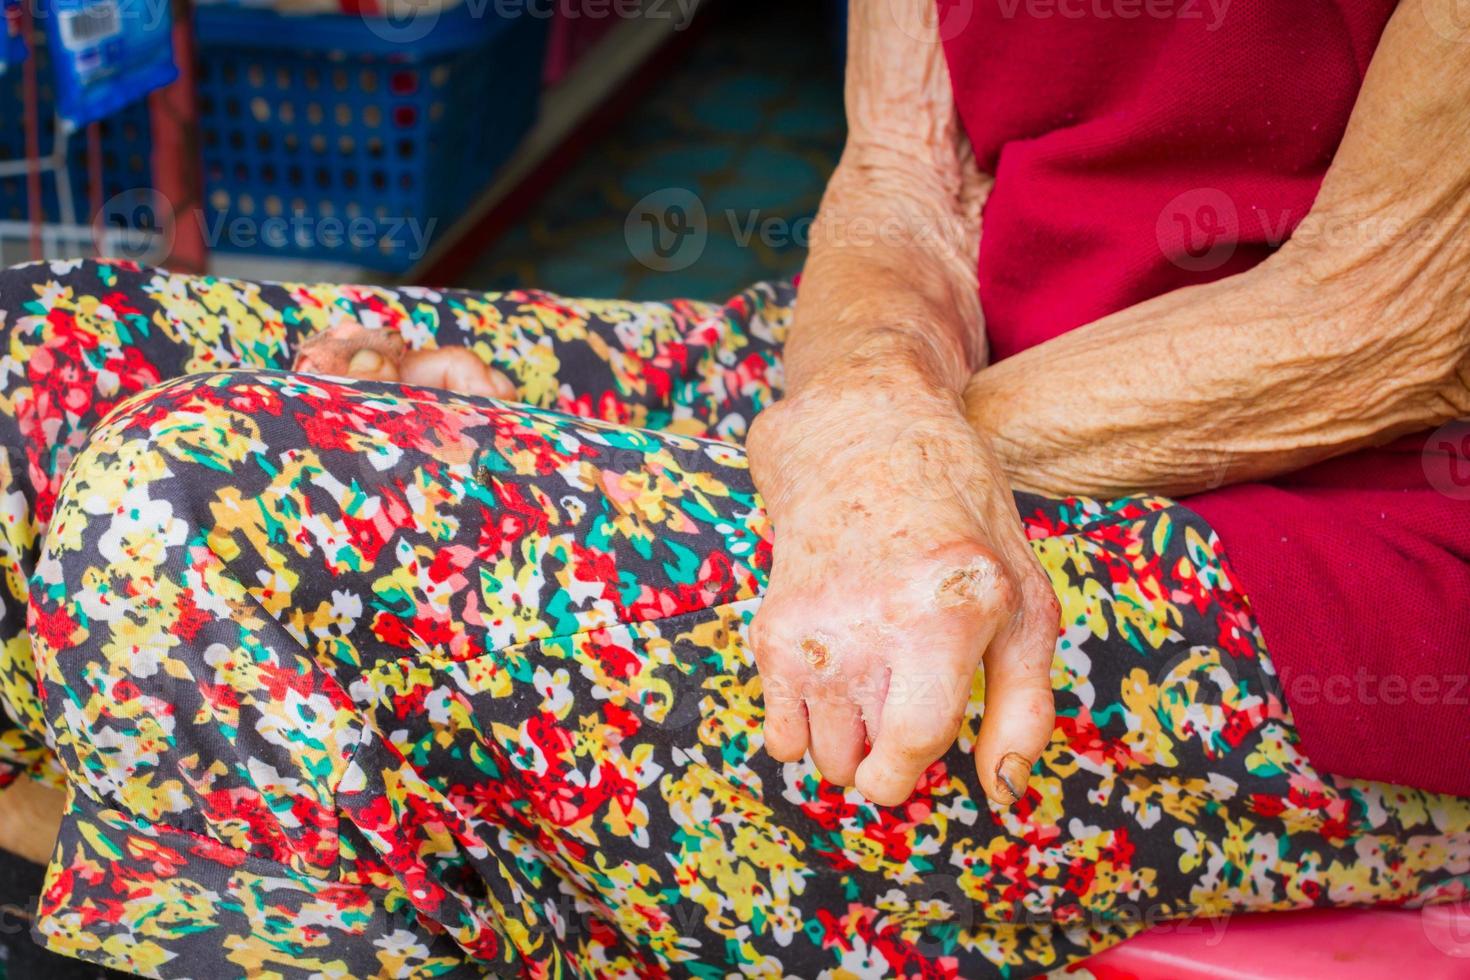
(349, 350)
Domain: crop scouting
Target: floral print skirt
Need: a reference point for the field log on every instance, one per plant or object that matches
(359, 680)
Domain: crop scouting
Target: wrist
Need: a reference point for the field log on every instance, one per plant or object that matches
(836, 423)
(881, 360)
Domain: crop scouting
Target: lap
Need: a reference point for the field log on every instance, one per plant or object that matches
(80, 337)
(490, 664)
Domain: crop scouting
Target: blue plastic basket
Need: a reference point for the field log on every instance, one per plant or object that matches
(125, 148)
(326, 137)
(346, 138)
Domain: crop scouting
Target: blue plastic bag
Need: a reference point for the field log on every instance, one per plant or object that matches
(12, 45)
(108, 53)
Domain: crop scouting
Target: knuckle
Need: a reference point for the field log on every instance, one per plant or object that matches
(1037, 697)
(922, 745)
(1007, 595)
(1038, 707)
(980, 581)
(1029, 701)
(781, 693)
(1046, 608)
(779, 729)
(771, 649)
(765, 427)
(768, 625)
(773, 678)
(759, 634)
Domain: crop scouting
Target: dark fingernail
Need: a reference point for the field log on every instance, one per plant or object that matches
(1013, 773)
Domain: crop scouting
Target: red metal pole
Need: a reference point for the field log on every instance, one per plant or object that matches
(33, 132)
(177, 168)
(94, 170)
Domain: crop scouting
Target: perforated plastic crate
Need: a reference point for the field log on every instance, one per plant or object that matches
(331, 137)
(353, 139)
(125, 148)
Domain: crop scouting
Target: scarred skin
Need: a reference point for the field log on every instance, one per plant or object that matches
(898, 619)
(896, 537)
(890, 462)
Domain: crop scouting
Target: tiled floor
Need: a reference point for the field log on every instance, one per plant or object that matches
(746, 129)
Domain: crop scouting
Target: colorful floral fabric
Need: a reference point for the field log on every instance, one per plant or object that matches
(353, 679)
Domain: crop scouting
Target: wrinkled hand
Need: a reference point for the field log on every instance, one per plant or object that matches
(900, 565)
(349, 350)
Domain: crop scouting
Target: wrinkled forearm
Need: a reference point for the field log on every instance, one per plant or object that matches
(1184, 393)
(890, 280)
(1358, 331)
(889, 284)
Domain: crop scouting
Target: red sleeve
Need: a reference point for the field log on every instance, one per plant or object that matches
(1358, 570)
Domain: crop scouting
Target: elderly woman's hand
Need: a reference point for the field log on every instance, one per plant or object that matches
(900, 564)
(349, 350)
